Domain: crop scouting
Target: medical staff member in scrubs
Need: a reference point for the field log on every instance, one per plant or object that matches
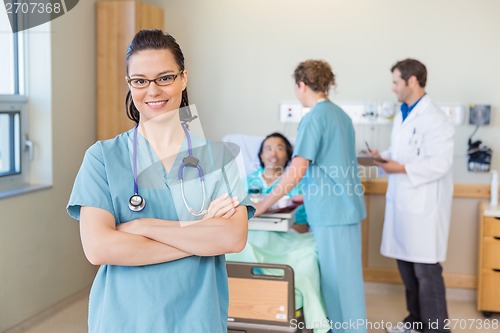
(325, 157)
(419, 197)
(275, 153)
(162, 269)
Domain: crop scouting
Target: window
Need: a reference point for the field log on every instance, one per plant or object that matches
(10, 161)
(14, 146)
(10, 57)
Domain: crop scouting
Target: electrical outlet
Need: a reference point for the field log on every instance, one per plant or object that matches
(291, 113)
(454, 112)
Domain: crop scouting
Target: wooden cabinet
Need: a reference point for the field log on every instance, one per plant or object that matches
(488, 292)
(117, 23)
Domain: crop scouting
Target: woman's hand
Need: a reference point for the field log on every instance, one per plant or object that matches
(259, 209)
(299, 198)
(222, 207)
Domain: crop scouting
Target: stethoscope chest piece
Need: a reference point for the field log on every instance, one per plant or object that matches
(136, 203)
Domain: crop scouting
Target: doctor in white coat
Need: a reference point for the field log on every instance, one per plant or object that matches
(419, 197)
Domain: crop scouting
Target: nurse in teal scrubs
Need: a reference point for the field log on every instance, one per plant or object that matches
(162, 268)
(325, 157)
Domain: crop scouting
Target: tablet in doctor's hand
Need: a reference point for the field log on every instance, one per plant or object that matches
(369, 160)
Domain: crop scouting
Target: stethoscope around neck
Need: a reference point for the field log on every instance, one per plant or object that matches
(137, 203)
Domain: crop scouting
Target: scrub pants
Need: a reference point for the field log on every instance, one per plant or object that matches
(342, 286)
(425, 295)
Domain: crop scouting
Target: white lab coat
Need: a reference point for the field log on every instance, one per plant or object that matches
(418, 202)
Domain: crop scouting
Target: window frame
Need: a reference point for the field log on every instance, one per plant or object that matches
(22, 177)
(18, 101)
(10, 155)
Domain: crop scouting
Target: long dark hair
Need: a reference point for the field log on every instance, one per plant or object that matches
(288, 147)
(156, 40)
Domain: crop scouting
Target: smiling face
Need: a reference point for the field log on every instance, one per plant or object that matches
(155, 100)
(274, 154)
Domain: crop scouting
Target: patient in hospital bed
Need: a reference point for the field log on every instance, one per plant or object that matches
(295, 248)
(274, 155)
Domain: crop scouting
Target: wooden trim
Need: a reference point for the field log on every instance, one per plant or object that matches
(365, 235)
(460, 281)
(392, 276)
(470, 191)
(381, 275)
(479, 191)
(377, 186)
(117, 22)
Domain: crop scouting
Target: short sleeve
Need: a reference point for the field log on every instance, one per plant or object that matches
(91, 184)
(308, 139)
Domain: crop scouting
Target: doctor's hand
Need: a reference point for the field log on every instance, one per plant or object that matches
(391, 166)
(222, 207)
(372, 152)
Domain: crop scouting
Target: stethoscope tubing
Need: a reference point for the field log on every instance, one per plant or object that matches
(189, 160)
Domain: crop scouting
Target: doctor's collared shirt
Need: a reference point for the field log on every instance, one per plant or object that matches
(405, 109)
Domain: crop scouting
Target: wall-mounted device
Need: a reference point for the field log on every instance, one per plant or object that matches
(370, 112)
(454, 112)
(292, 112)
(479, 114)
(479, 154)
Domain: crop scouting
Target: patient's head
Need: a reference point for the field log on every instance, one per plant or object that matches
(275, 152)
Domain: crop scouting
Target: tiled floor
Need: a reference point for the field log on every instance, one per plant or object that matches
(385, 303)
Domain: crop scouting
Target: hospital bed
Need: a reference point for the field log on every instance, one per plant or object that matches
(251, 292)
(261, 299)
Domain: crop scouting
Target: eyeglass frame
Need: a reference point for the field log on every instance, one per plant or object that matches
(129, 79)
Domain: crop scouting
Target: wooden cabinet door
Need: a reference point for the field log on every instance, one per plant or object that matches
(117, 23)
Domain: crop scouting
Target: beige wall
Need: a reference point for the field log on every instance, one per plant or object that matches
(242, 53)
(41, 258)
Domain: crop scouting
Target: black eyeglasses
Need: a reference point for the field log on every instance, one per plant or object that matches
(164, 80)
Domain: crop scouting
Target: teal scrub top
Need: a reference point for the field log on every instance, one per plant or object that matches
(255, 180)
(185, 295)
(333, 194)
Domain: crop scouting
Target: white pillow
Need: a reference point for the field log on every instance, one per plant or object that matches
(249, 146)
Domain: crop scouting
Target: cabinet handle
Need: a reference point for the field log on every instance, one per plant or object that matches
(496, 237)
(496, 270)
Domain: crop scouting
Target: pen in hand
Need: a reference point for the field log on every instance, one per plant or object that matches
(373, 153)
(368, 147)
